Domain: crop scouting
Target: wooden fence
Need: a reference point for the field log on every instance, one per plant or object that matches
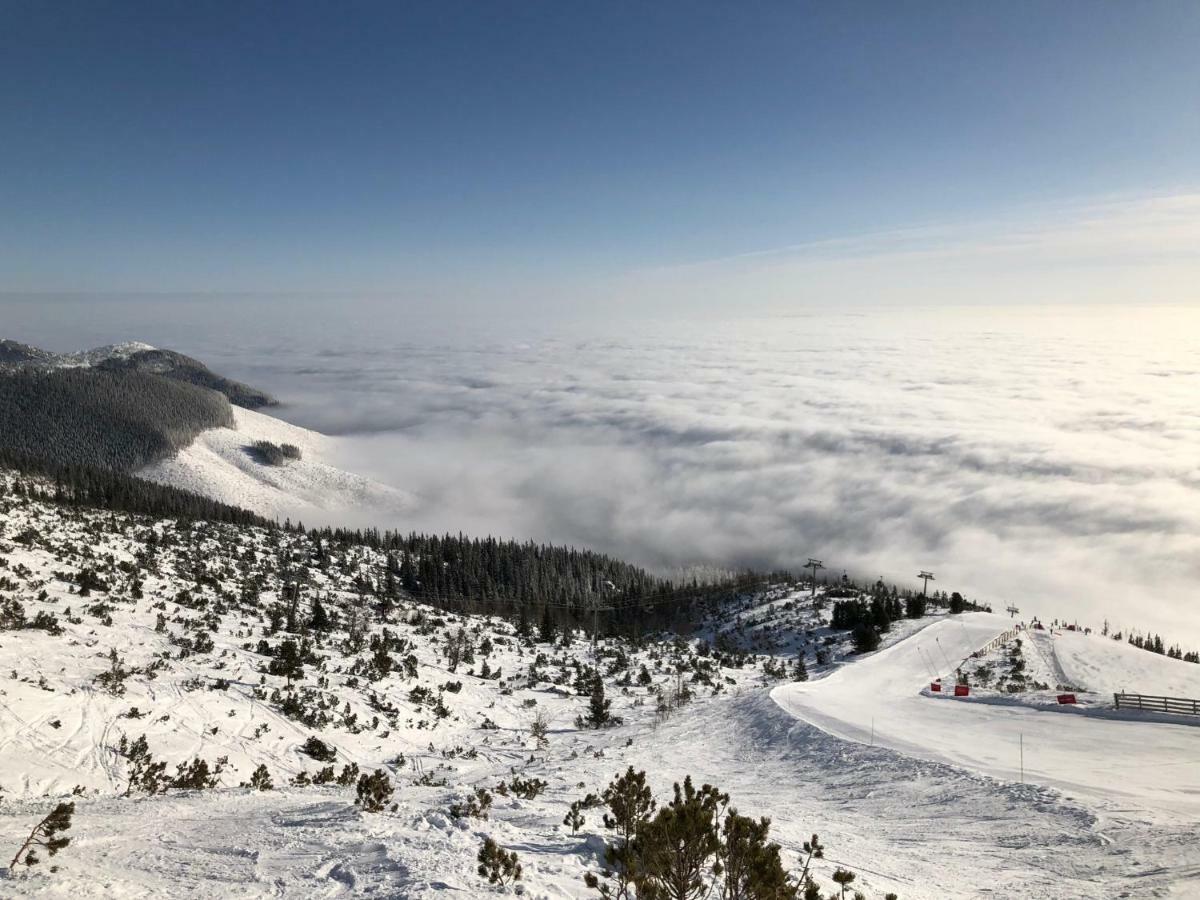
(1178, 705)
(997, 641)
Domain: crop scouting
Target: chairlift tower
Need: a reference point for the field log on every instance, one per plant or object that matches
(814, 564)
(926, 577)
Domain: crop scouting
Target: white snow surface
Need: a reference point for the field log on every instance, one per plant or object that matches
(221, 465)
(880, 700)
(1098, 664)
(897, 813)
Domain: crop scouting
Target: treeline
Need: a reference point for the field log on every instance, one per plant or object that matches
(1149, 642)
(1155, 645)
(170, 364)
(529, 582)
(88, 486)
(519, 580)
(870, 616)
(103, 419)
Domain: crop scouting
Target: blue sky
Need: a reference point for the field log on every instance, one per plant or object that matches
(494, 150)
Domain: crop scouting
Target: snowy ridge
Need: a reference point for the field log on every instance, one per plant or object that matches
(221, 464)
(16, 353)
(97, 355)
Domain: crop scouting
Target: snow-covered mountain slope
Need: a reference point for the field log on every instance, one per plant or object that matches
(879, 699)
(222, 464)
(219, 463)
(1103, 666)
(133, 356)
(196, 615)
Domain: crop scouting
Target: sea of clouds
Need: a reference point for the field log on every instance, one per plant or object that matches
(1044, 457)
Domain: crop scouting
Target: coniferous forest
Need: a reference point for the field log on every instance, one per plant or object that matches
(120, 420)
(524, 581)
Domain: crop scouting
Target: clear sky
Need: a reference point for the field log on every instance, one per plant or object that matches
(501, 149)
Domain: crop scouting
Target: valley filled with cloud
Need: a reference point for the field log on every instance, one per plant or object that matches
(1042, 456)
(1046, 458)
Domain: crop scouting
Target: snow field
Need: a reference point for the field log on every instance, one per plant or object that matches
(879, 698)
(220, 464)
(907, 821)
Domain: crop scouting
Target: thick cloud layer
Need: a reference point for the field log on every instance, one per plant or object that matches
(1045, 458)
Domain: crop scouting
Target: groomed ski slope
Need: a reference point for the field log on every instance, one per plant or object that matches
(878, 699)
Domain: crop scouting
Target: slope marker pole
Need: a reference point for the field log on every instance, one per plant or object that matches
(925, 659)
(949, 667)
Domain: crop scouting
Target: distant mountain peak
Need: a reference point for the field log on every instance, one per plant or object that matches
(139, 356)
(97, 355)
(16, 353)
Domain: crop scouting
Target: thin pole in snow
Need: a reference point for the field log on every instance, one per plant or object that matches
(872, 731)
(949, 666)
(929, 663)
(1022, 737)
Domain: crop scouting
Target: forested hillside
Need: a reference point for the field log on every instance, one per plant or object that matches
(524, 581)
(176, 366)
(119, 420)
(135, 357)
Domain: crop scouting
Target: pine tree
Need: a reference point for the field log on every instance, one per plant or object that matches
(630, 802)
(914, 606)
(574, 818)
(547, 631)
(497, 865)
(288, 662)
(676, 846)
(865, 637)
(319, 620)
(749, 867)
(261, 779)
(524, 629)
(374, 791)
(46, 834)
(843, 877)
(113, 678)
(598, 714)
(145, 773)
(813, 849)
